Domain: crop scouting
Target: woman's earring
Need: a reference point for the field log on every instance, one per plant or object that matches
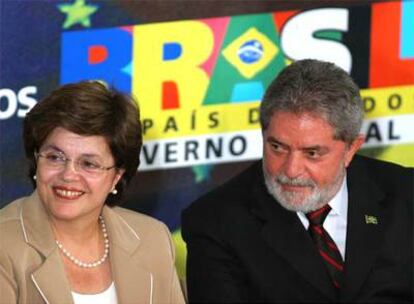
(114, 192)
(34, 177)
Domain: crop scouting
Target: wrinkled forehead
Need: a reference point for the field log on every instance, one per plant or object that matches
(73, 144)
(301, 116)
(304, 128)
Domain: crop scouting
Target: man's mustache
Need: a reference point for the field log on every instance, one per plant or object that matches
(302, 182)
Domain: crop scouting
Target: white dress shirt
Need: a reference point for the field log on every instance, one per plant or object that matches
(336, 221)
(108, 296)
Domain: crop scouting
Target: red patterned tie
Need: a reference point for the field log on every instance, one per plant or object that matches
(325, 245)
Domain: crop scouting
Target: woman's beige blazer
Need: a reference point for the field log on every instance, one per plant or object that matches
(31, 269)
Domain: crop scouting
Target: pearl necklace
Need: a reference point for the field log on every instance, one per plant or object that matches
(78, 262)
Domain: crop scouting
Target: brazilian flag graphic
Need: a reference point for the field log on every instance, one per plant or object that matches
(250, 58)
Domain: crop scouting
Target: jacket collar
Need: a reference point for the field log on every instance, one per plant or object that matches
(367, 218)
(283, 231)
(133, 283)
(285, 234)
(39, 235)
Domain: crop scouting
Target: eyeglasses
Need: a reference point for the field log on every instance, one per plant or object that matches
(58, 160)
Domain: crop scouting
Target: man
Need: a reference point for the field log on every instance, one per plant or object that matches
(311, 222)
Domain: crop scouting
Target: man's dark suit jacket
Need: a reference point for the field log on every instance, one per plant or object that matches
(243, 246)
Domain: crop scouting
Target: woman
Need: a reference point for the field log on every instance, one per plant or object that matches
(66, 243)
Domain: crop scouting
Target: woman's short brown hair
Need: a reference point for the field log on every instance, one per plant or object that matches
(89, 108)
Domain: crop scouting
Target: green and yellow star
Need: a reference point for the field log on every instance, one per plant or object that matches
(77, 13)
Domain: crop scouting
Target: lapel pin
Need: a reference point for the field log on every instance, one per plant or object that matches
(370, 219)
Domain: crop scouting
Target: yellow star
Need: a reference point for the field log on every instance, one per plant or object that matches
(77, 13)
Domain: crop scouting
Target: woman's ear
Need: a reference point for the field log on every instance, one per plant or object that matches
(118, 176)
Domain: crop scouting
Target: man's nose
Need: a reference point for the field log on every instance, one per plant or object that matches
(294, 165)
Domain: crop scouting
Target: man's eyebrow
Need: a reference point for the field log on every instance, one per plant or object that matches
(273, 140)
(319, 148)
(316, 148)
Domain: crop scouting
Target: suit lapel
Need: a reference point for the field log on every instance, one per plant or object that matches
(134, 284)
(284, 232)
(51, 281)
(38, 234)
(366, 221)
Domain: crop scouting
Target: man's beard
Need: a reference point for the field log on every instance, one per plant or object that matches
(297, 200)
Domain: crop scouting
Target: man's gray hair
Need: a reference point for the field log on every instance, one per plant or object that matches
(320, 88)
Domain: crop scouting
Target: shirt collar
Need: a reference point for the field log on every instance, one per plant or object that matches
(338, 204)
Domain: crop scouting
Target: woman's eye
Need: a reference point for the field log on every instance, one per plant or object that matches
(89, 164)
(55, 157)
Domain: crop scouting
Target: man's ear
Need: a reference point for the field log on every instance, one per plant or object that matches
(353, 147)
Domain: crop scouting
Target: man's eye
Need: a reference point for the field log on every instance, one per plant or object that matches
(276, 147)
(312, 154)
